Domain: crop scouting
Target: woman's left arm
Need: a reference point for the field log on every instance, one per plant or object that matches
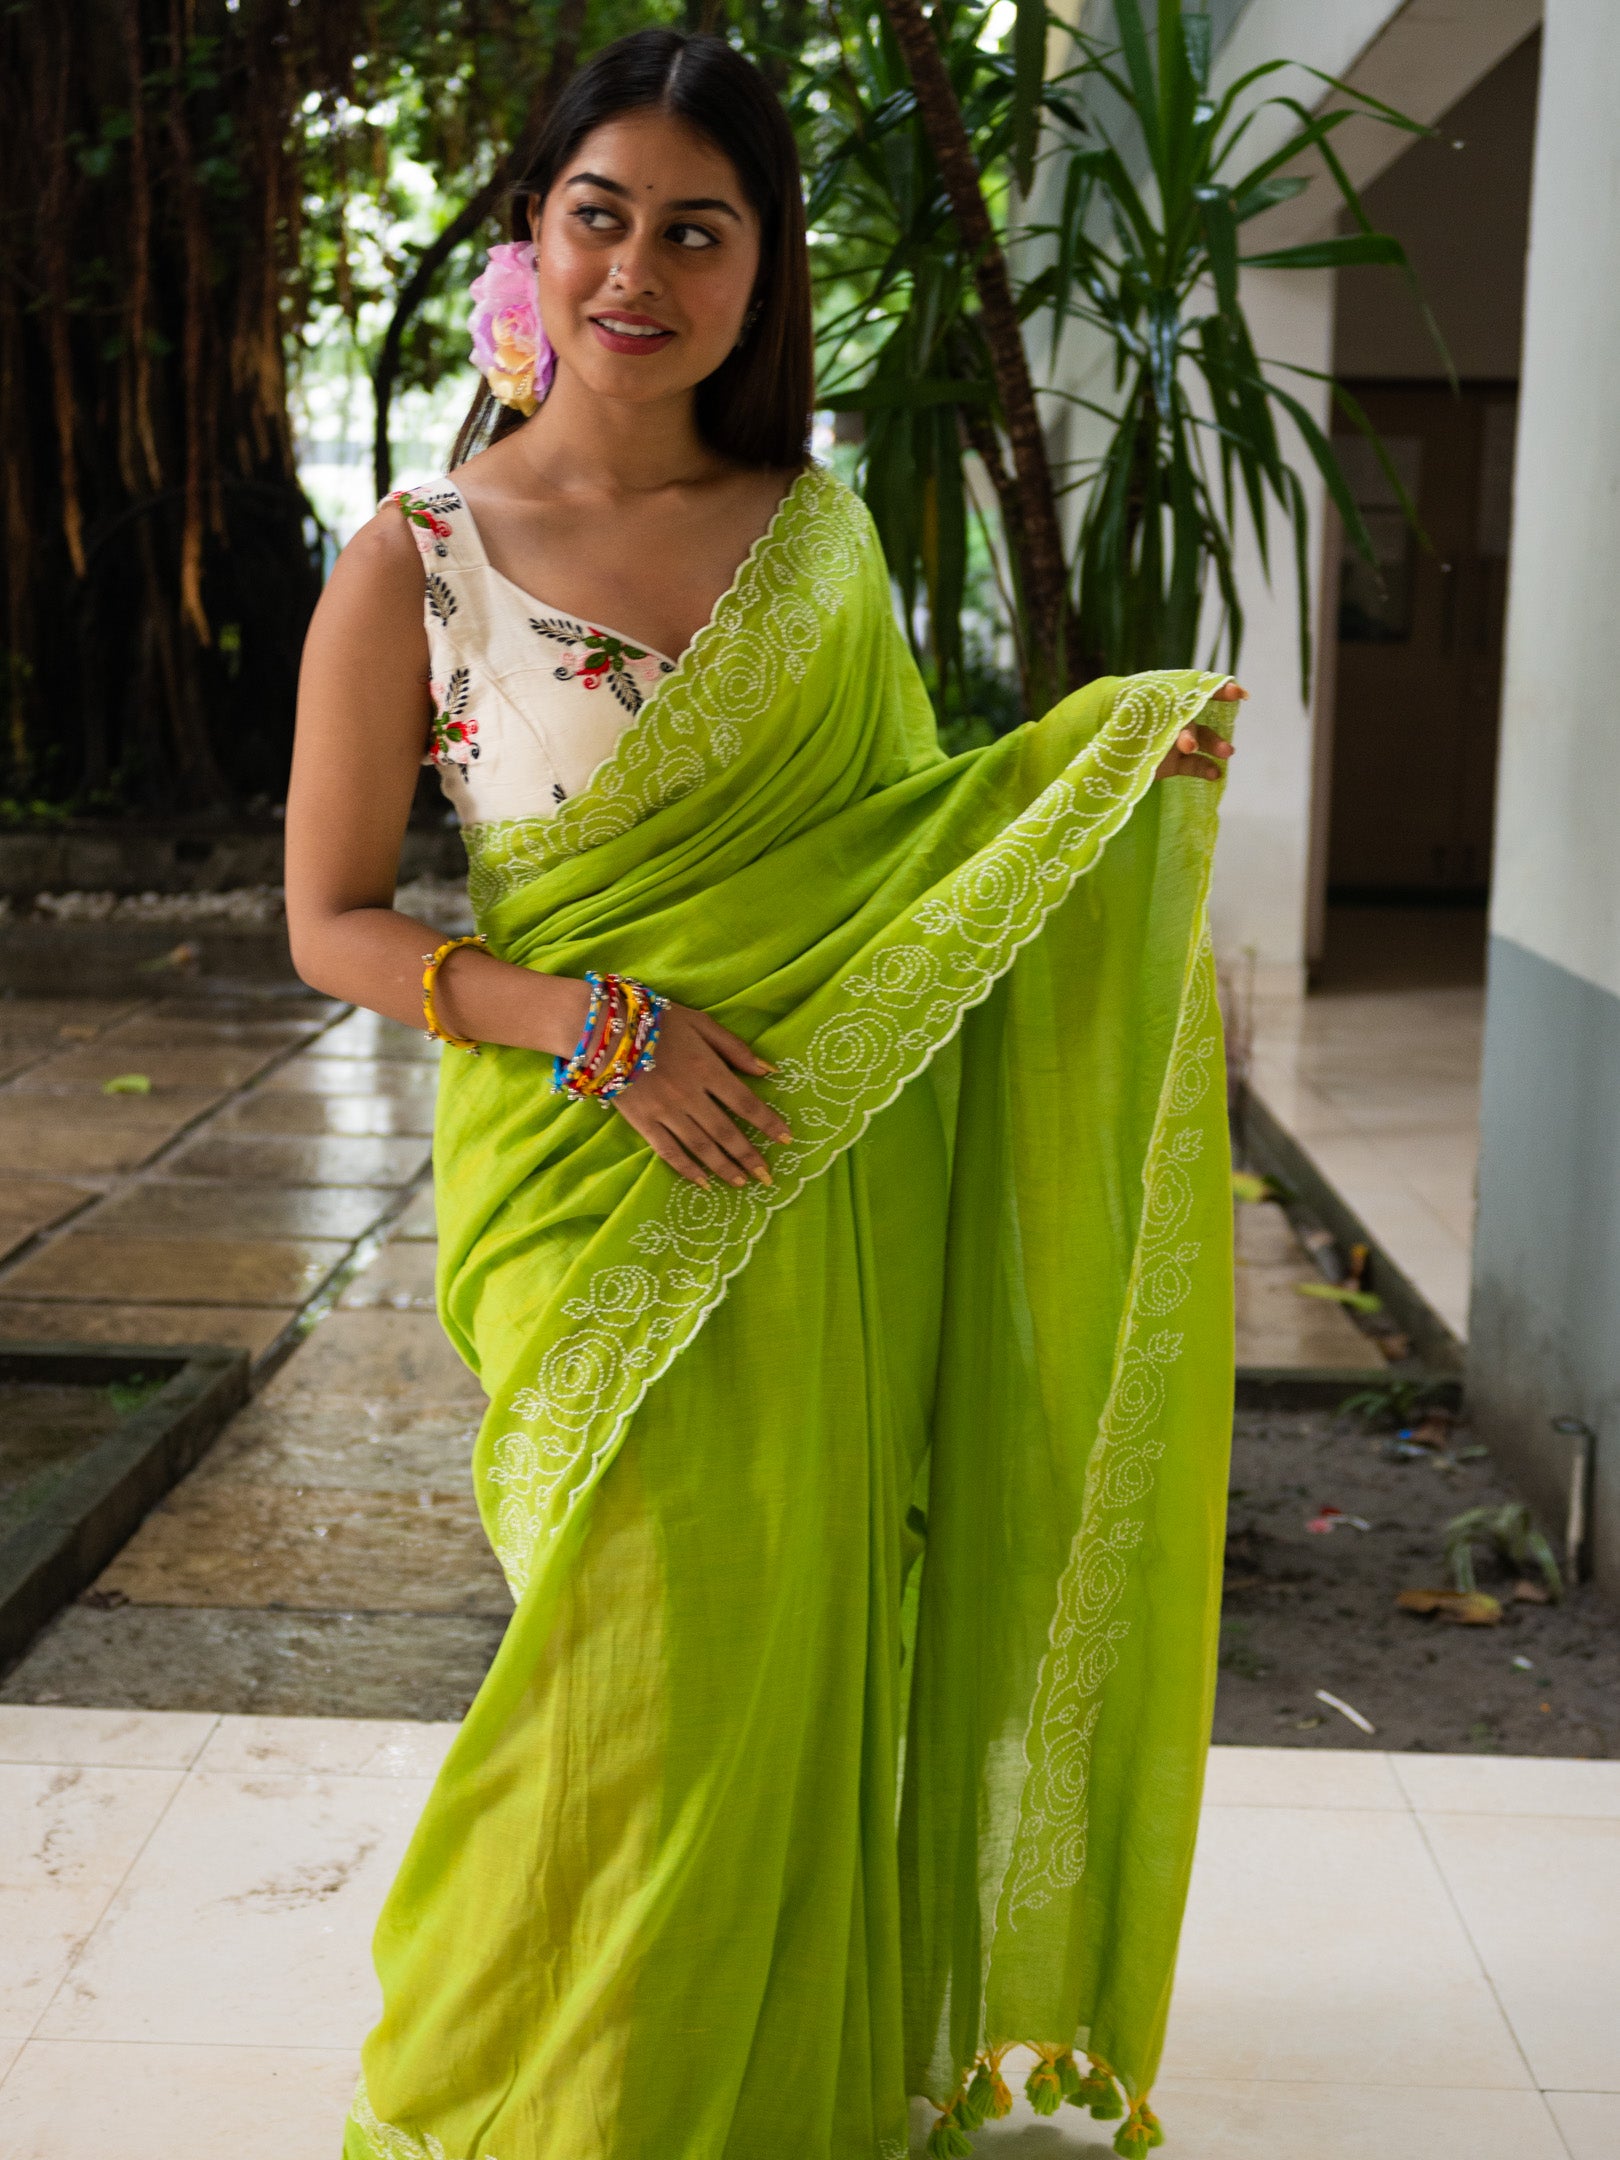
(1199, 752)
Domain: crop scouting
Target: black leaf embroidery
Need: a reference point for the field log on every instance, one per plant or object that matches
(440, 599)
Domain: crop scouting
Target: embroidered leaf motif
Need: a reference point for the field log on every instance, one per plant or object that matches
(452, 739)
(440, 599)
(596, 656)
(426, 516)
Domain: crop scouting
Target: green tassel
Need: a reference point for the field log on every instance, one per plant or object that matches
(987, 2096)
(1068, 2071)
(1098, 2092)
(1137, 2137)
(1044, 2087)
(974, 2104)
(947, 2142)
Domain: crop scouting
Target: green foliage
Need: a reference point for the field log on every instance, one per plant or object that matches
(1186, 437)
(1508, 1533)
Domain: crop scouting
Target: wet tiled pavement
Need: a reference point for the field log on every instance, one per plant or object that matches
(326, 1557)
(215, 1202)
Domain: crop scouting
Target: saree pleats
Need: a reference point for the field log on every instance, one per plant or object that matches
(863, 1530)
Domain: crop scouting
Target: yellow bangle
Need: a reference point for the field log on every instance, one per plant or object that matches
(431, 964)
(624, 1048)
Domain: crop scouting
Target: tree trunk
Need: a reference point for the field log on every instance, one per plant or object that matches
(1037, 540)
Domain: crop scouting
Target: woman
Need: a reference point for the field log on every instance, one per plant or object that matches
(859, 1357)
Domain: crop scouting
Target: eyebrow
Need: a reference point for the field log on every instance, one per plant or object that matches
(617, 187)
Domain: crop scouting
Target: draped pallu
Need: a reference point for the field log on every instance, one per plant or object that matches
(863, 1530)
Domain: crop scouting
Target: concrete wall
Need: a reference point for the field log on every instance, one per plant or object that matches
(1545, 1325)
(1423, 56)
(1460, 205)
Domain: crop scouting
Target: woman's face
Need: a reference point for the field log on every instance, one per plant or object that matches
(648, 251)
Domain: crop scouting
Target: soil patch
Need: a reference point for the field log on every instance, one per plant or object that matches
(1305, 1610)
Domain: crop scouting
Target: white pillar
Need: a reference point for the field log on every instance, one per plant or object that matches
(1546, 1312)
(1260, 902)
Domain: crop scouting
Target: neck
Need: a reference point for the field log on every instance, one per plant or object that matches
(580, 441)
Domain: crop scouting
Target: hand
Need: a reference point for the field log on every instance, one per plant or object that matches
(691, 1107)
(1199, 753)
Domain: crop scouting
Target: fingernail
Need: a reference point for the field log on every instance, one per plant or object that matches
(766, 1066)
(739, 1179)
(764, 1177)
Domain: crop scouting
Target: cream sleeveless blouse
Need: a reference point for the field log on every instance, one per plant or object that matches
(527, 701)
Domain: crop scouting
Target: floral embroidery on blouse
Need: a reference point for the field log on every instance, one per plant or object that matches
(425, 515)
(592, 657)
(452, 738)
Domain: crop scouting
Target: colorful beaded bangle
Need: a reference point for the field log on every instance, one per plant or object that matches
(431, 964)
(593, 1013)
(608, 1057)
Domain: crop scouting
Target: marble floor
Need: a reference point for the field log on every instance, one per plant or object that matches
(1376, 1074)
(1386, 1956)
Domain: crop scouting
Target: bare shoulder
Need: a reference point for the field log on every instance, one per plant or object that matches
(381, 558)
(371, 607)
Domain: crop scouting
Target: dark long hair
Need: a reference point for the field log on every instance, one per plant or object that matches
(755, 407)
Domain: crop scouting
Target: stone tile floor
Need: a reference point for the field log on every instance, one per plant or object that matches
(274, 1135)
(1390, 1956)
(1376, 1075)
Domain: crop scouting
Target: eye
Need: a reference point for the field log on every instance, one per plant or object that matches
(693, 236)
(589, 213)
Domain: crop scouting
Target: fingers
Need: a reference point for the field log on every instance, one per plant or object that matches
(1230, 693)
(743, 1103)
(722, 1148)
(732, 1048)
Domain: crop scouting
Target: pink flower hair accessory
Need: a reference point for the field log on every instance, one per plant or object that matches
(510, 348)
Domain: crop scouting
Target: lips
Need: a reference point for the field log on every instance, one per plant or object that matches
(635, 335)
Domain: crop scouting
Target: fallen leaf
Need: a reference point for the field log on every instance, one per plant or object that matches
(1342, 1294)
(1394, 1346)
(127, 1084)
(1246, 1186)
(1530, 1593)
(1469, 1608)
(178, 957)
(1434, 1430)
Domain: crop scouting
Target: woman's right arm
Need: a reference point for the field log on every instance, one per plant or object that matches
(363, 716)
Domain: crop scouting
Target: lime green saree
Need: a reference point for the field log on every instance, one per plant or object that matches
(849, 1730)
